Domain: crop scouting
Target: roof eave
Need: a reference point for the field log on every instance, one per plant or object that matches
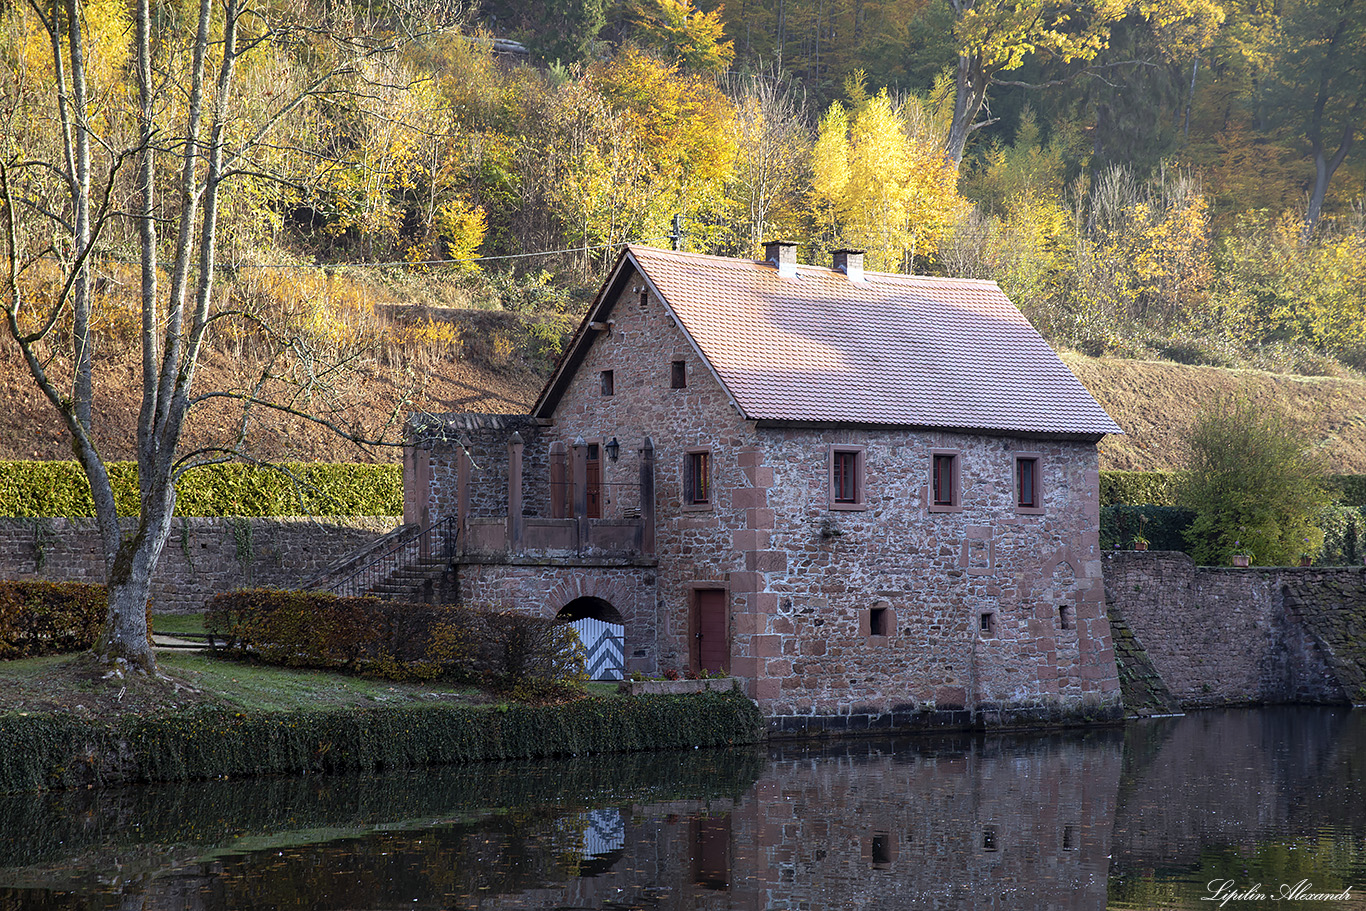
(1085, 436)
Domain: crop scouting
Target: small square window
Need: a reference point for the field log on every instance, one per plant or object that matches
(990, 839)
(880, 850)
(608, 383)
(880, 621)
(644, 298)
(987, 624)
(847, 477)
(1065, 619)
(697, 478)
(1028, 483)
(678, 375)
(945, 494)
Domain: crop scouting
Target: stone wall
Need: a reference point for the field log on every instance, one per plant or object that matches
(486, 436)
(544, 588)
(1229, 636)
(202, 557)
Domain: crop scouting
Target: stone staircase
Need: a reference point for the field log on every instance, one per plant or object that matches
(416, 581)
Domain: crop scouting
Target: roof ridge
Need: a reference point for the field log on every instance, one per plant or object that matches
(739, 262)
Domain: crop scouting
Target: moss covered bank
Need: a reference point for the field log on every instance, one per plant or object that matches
(41, 751)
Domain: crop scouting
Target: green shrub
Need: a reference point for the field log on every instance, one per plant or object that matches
(49, 618)
(1165, 526)
(293, 489)
(530, 658)
(1138, 488)
(538, 657)
(1255, 486)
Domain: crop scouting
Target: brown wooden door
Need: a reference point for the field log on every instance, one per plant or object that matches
(712, 650)
(594, 466)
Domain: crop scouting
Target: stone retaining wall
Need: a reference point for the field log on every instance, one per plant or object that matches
(1225, 636)
(202, 557)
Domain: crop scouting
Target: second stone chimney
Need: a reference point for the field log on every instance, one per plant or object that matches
(783, 255)
(850, 262)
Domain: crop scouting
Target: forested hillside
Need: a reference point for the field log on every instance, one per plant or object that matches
(1175, 179)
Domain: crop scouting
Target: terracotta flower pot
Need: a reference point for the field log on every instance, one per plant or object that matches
(1241, 559)
(1140, 545)
(1306, 560)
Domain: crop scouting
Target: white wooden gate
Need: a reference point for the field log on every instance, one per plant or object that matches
(603, 645)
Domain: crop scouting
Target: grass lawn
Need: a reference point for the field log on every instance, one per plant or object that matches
(74, 683)
(176, 624)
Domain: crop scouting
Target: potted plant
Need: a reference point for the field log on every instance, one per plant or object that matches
(1141, 540)
(1240, 558)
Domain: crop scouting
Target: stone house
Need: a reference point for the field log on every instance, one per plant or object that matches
(872, 498)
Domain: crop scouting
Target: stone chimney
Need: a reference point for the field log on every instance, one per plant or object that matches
(850, 262)
(783, 255)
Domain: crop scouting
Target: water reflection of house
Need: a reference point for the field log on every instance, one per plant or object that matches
(871, 497)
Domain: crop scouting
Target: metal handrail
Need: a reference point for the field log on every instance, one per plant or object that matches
(438, 538)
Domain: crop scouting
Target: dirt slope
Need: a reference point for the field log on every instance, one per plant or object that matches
(1156, 402)
(30, 429)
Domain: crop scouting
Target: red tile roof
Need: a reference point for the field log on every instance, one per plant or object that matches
(890, 350)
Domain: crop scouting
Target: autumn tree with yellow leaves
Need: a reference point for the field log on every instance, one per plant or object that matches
(881, 183)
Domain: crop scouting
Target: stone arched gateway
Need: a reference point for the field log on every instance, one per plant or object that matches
(622, 594)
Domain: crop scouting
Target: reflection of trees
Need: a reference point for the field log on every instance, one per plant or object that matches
(1277, 775)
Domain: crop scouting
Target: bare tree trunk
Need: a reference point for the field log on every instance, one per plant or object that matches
(969, 94)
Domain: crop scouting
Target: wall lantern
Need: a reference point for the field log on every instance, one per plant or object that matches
(613, 449)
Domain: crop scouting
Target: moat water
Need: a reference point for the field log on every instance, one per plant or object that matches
(1242, 810)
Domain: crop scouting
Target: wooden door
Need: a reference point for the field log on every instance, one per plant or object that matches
(711, 650)
(594, 466)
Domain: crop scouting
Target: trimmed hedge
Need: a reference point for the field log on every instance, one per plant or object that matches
(49, 618)
(1158, 488)
(57, 751)
(1348, 489)
(322, 489)
(1164, 527)
(1137, 488)
(530, 656)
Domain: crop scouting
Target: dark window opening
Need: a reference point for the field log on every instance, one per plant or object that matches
(945, 480)
(644, 298)
(881, 850)
(1027, 483)
(987, 623)
(880, 621)
(1065, 617)
(845, 482)
(678, 375)
(989, 839)
(608, 383)
(697, 480)
(1069, 838)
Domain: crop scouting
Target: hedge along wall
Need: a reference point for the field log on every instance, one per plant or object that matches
(58, 751)
(300, 489)
(1158, 488)
(204, 556)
